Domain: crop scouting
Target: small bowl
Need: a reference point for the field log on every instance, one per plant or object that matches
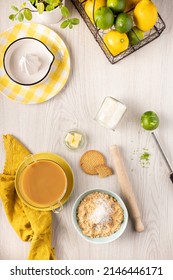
(27, 61)
(99, 240)
(82, 143)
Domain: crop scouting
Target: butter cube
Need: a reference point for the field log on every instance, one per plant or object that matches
(69, 138)
(77, 137)
(74, 144)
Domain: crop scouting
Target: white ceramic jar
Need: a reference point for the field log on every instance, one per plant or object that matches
(110, 112)
(50, 17)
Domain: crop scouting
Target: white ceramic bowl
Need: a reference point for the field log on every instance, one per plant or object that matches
(100, 240)
(27, 61)
(50, 17)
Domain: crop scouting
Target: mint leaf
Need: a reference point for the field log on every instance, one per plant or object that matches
(23, 5)
(65, 23)
(49, 8)
(20, 17)
(74, 21)
(32, 1)
(70, 25)
(14, 8)
(27, 14)
(12, 17)
(40, 7)
(55, 3)
(65, 12)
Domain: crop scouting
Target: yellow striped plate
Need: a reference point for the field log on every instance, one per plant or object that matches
(59, 72)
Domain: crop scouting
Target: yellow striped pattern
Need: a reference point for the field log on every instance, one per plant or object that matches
(60, 70)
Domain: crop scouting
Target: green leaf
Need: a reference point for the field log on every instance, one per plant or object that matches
(14, 8)
(49, 8)
(40, 7)
(55, 3)
(65, 23)
(32, 1)
(47, 1)
(70, 25)
(74, 21)
(23, 5)
(20, 17)
(27, 14)
(12, 17)
(65, 12)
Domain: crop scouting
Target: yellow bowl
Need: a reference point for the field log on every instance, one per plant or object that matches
(52, 157)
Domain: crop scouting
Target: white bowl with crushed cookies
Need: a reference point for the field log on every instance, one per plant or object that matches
(99, 216)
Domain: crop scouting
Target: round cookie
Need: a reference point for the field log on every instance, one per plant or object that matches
(90, 160)
(103, 170)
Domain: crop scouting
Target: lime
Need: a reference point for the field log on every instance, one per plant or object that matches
(135, 35)
(123, 23)
(117, 6)
(104, 18)
(149, 120)
(116, 42)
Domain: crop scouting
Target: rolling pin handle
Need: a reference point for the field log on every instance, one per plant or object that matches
(139, 227)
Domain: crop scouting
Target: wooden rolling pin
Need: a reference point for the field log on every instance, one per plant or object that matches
(126, 188)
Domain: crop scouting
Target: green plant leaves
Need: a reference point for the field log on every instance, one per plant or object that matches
(65, 23)
(23, 5)
(20, 17)
(21, 14)
(27, 14)
(48, 5)
(14, 8)
(65, 12)
(49, 8)
(75, 21)
(32, 1)
(40, 7)
(54, 3)
(69, 23)
(12, 17)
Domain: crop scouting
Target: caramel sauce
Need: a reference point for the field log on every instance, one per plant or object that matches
(43, 183)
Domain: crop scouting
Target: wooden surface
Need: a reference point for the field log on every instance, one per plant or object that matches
(143, 81)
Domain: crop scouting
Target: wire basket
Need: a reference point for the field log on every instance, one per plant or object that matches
(98, 34)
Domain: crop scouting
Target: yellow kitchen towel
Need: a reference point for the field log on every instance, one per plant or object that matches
(30, 225)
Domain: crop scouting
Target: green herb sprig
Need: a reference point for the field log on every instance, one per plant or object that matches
(24, 12)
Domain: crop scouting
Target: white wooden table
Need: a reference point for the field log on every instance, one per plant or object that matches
(143, 81)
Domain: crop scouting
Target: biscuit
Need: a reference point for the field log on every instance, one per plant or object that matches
(90, 160)
(103, 170)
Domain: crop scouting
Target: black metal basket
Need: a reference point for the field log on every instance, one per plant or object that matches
(151, 35)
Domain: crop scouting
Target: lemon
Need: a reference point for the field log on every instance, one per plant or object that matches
(89, 7)
(130, 4)
(116, 42)
(145, 15)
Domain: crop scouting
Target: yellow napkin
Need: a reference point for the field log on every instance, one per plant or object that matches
(29, 224)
